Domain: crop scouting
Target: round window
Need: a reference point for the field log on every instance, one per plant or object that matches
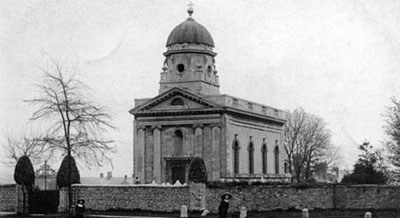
(180, 68)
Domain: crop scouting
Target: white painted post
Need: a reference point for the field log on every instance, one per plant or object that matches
(368, 215)
(243, 212)
(184, 211)
(205, 212)
(304, 213)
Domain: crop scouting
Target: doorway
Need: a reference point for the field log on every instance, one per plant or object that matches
(178, 173)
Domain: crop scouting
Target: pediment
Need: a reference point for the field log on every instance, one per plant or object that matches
(175, 100)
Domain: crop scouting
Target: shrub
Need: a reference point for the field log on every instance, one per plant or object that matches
(24, 173)
(62, 175)
(197, 171)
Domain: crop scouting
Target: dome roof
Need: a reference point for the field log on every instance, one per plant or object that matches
(190, 31)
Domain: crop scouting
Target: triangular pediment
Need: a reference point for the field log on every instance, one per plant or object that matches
(175, 100)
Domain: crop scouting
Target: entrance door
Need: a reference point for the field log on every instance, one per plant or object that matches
(178, 173)
(44, 201)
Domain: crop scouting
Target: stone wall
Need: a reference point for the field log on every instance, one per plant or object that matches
(8, 197)
(198, 200)
(368, 196)
(198, 196)
(133, 197)
(268, 198)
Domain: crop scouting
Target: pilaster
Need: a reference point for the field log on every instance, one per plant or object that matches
(157, 153)
(149, 152)
(215, 143)
(141, 153)
(223, 148)
(207, 150)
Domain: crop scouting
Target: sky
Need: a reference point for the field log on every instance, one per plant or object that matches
(337, 59)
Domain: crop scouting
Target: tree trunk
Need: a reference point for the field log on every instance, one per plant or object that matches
(23, 200)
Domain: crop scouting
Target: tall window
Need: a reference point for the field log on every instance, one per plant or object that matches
(251, 158)
(264, 152)
(236, 156)
(286, 168)
(178, 143)
(276, 152)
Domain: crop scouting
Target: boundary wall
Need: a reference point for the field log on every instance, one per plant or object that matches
(344, 197)
(196, 197)
(9, 197)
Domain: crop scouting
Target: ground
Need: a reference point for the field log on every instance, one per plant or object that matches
(270, 214)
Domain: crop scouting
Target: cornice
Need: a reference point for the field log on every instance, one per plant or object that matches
(189, 50)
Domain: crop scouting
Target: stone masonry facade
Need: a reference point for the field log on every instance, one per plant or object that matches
(269, 198)
(151, 198)
(254, 198)
(8, 197)
(198, 196)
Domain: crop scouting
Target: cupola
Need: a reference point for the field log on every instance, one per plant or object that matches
(189, 60)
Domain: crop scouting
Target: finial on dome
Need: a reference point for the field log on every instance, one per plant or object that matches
(190, 9)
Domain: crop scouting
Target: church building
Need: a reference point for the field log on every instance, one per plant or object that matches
(190, 118)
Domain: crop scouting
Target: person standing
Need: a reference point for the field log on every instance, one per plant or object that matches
(224, 205)
(80, 208)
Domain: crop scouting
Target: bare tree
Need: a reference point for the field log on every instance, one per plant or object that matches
(316, 141)
(75, 124)
(294, 127)
(392, 129)
(28, 145)
(307, 142)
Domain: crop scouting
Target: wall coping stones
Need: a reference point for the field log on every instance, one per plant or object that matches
(131, 185)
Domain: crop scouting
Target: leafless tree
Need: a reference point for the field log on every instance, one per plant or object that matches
(75, 124)
(307, 142)
(392, 129)
(28, 145)
(294, 128)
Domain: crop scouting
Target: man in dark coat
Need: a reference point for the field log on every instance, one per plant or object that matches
(80, 208)
(224, 205)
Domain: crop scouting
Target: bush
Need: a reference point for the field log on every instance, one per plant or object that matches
(24, 173)
(366, 169)
(62, 175)
(197, 171)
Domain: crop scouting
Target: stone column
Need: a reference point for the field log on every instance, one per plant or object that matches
(149, 155)
(140, 153)
(223, 148)
(157, 154)
(215, 143)
(198, 140)
(207, 150)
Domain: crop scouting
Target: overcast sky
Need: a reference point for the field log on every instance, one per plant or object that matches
(337, 59)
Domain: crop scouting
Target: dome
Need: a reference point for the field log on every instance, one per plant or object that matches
(190, 31)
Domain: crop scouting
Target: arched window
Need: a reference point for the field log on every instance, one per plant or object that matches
(276, 153)
(236, 156)
(178, 143)
(177, 101)
(264, 152)
(209, 70)
(286, 168)
(251, 158)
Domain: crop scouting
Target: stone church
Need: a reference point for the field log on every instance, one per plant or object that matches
(236, 138)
